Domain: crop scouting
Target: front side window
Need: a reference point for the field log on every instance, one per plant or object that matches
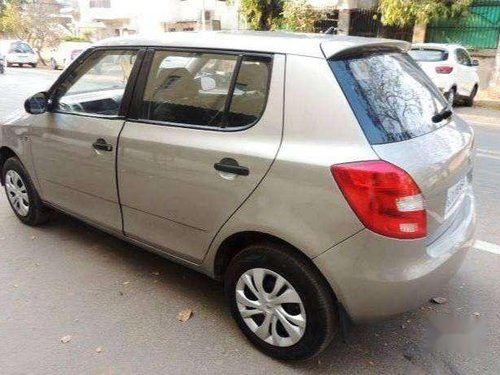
(97, 85)
(201, 89)
(391, 96)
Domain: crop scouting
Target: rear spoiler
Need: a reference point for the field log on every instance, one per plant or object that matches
(332, 52)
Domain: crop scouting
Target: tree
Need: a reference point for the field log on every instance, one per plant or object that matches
(299, 15)
(35, 22)
(261, 14)
(409, 12)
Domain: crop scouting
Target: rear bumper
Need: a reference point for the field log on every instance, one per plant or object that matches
(376, 277)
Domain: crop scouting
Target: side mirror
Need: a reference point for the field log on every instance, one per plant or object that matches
(37, 103)
(208, 83)
(475, 63)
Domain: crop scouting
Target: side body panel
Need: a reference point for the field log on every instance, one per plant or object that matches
(15, 134)
(172, 197)
(299, 201)
(72, 174)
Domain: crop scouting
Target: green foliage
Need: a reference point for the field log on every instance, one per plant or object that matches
(299, 15)
(72, 38)
(408, 12)
(34, 22)
(261, 14)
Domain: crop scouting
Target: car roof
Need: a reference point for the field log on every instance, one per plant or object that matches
(314, 45)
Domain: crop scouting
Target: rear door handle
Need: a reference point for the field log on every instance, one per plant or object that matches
(102, 145)
(231, 166)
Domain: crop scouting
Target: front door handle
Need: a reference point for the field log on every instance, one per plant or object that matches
(102, 145)
(231, 166)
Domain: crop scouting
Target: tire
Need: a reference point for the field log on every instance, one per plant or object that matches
(9, 65)
(34, 65)
(451, 96)
(469, 101)
(316, 304)
(36, 213)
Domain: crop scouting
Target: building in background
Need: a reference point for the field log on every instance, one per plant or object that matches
(100, 19)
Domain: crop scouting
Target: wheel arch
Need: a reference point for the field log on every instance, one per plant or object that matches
(237, 242)
(5, 153)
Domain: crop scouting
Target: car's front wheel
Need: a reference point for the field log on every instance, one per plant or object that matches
(53, 64)
(22, 195)
(280, 301)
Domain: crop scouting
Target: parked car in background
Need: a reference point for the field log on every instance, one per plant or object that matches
(63, 55)
(451, 68)
(299, 170)
(18, 52)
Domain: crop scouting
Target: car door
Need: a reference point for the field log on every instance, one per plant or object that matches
(74, 144)
(205, 130)
(466, 72)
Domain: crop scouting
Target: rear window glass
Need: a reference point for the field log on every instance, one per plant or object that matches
(20, 47)
(420, 54)
(392, 98)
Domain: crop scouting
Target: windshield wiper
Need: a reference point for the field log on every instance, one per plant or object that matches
(442, 115)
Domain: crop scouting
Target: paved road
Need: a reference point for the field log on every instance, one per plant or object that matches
(69, 279)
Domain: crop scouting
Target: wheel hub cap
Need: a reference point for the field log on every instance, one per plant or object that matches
(271, 307)
(17, 193)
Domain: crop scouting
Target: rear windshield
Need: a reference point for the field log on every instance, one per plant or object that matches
(392, 98)
(421, 54)
(20, 47)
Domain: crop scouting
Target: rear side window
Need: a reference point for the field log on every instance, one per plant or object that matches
(392, 98)
(206, 89)
(463, 57)
(421, 54)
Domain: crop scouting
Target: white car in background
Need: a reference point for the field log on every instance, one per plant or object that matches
(451, 68)
(63, 55)
(18, 52)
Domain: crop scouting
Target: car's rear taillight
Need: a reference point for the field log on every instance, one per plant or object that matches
(384, 197)
(444, 69)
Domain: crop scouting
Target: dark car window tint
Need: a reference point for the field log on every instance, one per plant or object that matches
(420, 54)
(250, 92)
(188, 88)
(97, 85)
(391, 96)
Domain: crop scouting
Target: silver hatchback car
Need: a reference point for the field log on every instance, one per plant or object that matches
(322, 178)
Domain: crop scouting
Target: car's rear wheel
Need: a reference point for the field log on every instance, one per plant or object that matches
(281, 302)
(22, 195)
(34, 65)
(469, 101)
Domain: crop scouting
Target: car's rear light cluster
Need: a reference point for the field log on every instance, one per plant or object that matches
(384, 197)
(444, 69)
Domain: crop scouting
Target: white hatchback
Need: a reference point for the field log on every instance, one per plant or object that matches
(451, 69)
(18, 52)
